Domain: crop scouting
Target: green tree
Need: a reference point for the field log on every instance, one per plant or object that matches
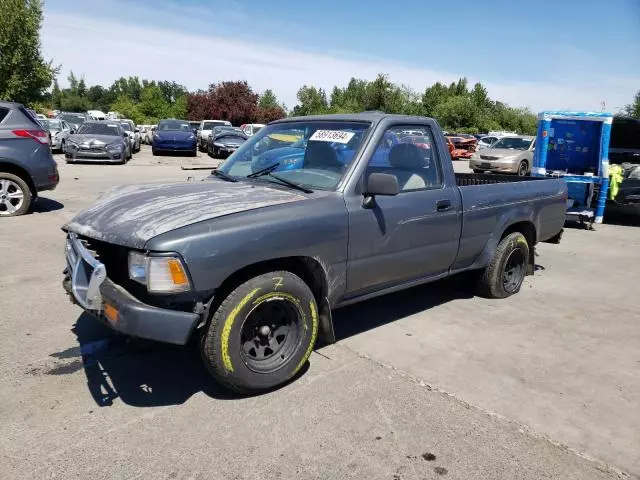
(127, 108)
(71, 102)
(313, 101)
(633, 109)
(73, 83)
(434, 96)
(82, 88)
(153, 104)
(268, 100)
(24, 74)
(56, 94)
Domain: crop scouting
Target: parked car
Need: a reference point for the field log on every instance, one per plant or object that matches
(507, 155)
(41, 116)
(174, 136)
(223, 141)
(73, 119)
(132, 132)
(459, 147)
(96, 115)
(26, 164)
(250, 129)
(59, 131)
(255, 260)
(624, 150)
(486, 142)
(99, 140)
(195, 126)
(205, 129)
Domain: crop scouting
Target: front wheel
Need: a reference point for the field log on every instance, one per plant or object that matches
(262, 334)
(505, 274)
(523, 169)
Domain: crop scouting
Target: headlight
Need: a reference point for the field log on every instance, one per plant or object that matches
(219, 145)
(114, 147)
(71, 143)
(635, 173)
(192, 137)
(160, 274)
(156, 136)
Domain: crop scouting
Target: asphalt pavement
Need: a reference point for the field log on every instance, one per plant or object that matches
(427, 383)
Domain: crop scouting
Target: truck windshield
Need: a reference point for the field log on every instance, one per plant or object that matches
(513, 143)
(314, 154)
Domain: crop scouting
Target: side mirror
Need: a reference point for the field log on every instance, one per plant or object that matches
(125, 134)
(137, 130)
(72, 131)
(385, 184)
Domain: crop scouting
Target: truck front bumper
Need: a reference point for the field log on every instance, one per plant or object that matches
(87, 284)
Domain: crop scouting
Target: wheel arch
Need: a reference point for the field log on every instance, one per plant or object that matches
(10, 167)
(309, 269)
(527, 229)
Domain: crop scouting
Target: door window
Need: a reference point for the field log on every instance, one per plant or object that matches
(409, 153)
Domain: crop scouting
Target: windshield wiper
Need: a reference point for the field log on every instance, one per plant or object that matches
(267, 172)
(220, 174)
(264, 171)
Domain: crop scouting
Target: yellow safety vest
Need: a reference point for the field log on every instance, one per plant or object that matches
(615, 179)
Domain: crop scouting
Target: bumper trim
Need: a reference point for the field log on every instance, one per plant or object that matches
(87, 274)
(145, 321)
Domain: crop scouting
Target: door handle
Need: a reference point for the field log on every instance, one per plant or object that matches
(443, 205)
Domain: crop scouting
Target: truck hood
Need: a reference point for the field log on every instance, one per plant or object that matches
(132, 215)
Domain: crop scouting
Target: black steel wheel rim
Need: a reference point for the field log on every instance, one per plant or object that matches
(270, 335)
(514, 269)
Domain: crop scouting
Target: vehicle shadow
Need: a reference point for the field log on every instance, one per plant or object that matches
(143, 373)
(138, 372)
(43, 205)
(359, 318)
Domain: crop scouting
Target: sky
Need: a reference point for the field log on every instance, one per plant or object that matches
(549, 54)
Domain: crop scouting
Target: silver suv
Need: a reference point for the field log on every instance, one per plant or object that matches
(26, 164)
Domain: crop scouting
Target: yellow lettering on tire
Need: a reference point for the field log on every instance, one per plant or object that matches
(226, 329)
(314, 333)
(522, 241)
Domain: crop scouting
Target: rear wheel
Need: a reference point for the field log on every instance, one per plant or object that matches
(262, 334)
(15, 195)
(505, 274)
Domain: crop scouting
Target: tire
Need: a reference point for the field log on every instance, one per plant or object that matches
(193, 153)
(62, 146)
(15, 195)
(234, 349)
(154, 152)
(523, 169)
(511, 255)
(202, 150)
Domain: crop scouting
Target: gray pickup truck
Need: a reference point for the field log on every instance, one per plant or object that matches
(310, 214)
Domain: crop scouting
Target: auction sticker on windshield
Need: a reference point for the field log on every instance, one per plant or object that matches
(337, 136)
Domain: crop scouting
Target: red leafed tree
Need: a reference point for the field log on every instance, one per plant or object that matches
(233, 101)
(269, 114)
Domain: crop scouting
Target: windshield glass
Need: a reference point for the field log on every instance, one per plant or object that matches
(173, 125)
(72, 118)
(314, 154)
(52, 124)
(210, 125)
(99, 128)
(513, 143)
(126, 126)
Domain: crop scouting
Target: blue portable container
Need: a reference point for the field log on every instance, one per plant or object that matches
(575, 146)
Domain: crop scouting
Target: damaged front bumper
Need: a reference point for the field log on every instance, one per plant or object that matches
(86, 282)
(101, 155)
